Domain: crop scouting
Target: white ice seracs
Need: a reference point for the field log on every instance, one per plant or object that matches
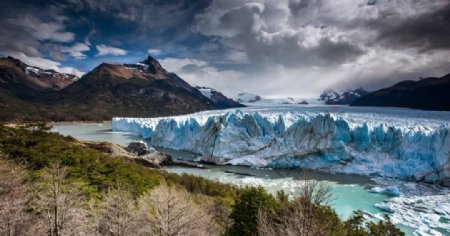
(421, 206)
(428, 212)
(400, 143)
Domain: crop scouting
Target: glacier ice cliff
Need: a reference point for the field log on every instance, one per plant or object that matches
(399, 143)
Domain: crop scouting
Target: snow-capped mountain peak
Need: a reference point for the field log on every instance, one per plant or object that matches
(149, 65)
(37, 77)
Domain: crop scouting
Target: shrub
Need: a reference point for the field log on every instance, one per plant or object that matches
(246, 208)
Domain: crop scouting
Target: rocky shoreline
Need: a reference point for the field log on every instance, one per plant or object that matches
(140, 153)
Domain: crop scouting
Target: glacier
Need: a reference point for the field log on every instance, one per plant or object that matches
(388, 142)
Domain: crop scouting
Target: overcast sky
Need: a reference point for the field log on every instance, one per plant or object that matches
(274, 48)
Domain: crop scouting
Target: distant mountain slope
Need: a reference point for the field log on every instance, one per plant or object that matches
(426, 94)
(144, 89)
(331, 97)
(23, 88)
(15, 72)
(250, 99)
(219, 100)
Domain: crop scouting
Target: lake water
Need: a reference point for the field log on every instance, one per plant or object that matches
(350, 192)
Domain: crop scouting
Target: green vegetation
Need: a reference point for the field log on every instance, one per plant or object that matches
(258, 213)
(246, 209)
(56, 185)
(36, 148)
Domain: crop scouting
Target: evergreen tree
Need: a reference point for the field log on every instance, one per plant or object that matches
(245, 210)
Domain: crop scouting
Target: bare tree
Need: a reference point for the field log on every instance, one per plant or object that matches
(117, 214)
(302, 217)
(171, 212)
(59, 200)
(14, 198)
(220, 211)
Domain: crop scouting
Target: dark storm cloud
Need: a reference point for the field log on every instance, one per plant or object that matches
(72, 30)
(155, 21)
(371, 2)
(426, 31)
(54, 51)
(284, 50)
(247, 27)
(310, 45)
(338, 43)
(24, 27)
(147, 22)
(330, 52)
(297, 7)
(192, 68)
(15, 39)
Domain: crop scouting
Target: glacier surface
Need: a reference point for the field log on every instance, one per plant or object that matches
(388, 142)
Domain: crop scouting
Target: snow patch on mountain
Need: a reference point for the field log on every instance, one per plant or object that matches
(41, 73)
(36, 71)
(32, 70)
(141, 67)
(207, 92)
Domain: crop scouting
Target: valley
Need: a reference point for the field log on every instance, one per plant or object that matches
(371, 194)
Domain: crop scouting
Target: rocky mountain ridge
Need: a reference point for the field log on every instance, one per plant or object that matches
(144, 89)
(430, 93)
(333, 97)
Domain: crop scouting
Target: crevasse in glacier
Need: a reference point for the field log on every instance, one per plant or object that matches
(404, 144)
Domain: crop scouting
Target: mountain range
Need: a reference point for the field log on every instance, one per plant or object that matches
(144, 89)
(332, 97)
(256, 100)
(430, 93)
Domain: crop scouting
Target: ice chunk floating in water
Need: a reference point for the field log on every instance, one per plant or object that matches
(399, 143)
